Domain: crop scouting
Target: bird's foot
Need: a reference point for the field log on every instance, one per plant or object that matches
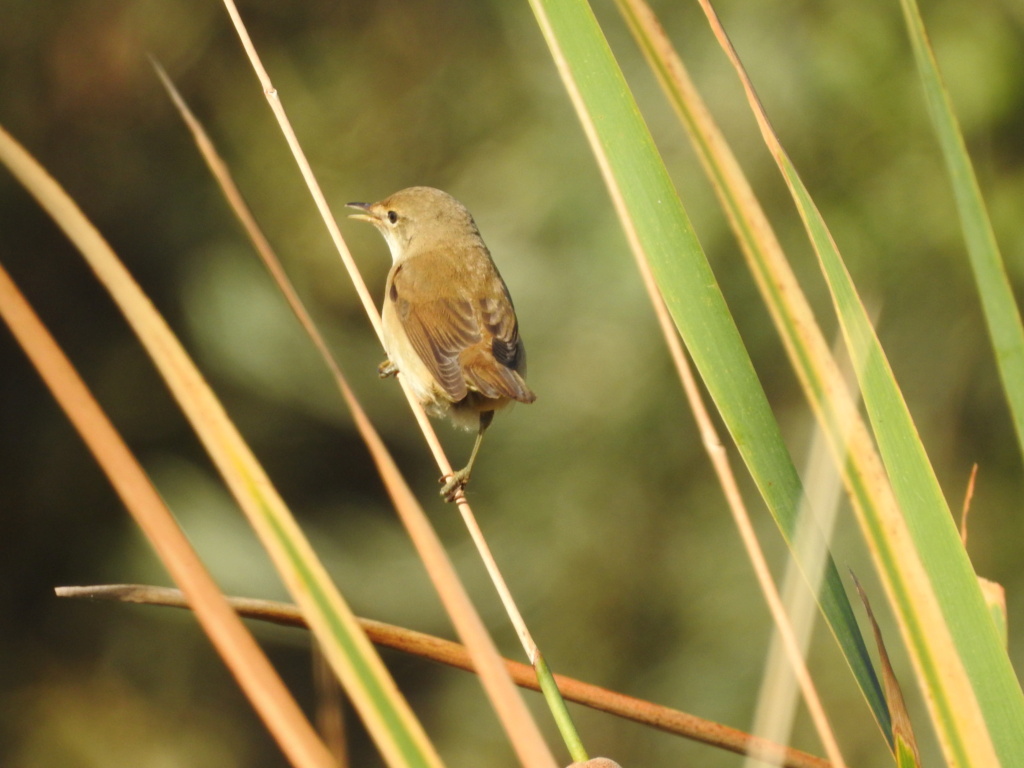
(386, 369)
(454, 483)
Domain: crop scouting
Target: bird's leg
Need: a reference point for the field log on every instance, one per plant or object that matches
(456, 481)
(387, 368)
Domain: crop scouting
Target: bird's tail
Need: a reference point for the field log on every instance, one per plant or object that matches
(493, 380)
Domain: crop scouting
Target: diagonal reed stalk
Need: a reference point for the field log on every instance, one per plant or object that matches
(558, 709)
(236, 646)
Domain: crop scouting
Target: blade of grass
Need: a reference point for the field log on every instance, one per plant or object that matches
(394, 728)
(238, 649)
(660, 233)
(1002, 315)
(848, 439)
(974, 698)
(902, 730)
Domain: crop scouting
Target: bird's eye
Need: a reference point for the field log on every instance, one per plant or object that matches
(392, 217)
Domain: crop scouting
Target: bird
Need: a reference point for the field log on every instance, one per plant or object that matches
(449, 326)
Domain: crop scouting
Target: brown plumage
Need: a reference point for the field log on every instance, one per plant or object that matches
(449, 325)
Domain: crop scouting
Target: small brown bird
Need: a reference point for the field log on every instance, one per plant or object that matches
(449, 325)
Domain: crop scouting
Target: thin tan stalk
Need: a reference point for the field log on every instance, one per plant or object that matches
(529, 646)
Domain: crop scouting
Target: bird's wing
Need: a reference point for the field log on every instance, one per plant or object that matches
(496, 366)
(467, 343)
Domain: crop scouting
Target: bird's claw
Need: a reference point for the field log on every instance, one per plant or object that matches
(454, 484)
(386, 369)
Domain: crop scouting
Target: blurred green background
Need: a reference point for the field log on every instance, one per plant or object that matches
(598, 499)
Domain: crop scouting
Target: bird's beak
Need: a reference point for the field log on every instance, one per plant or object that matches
(367, 212)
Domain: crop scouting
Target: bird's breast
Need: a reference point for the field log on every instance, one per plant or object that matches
(400, 352)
